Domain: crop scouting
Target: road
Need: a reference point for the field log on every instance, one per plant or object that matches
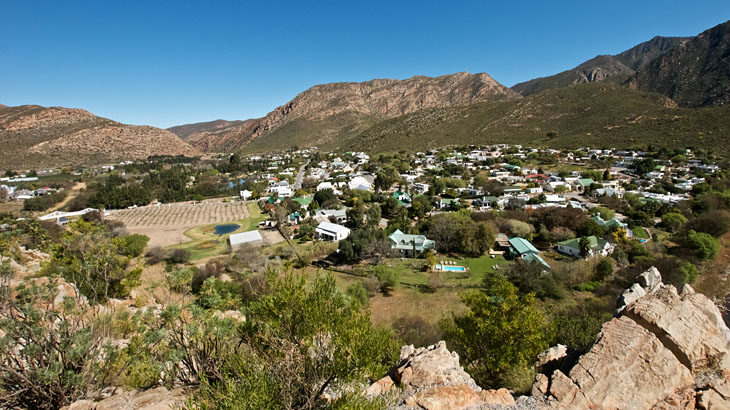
(300, 177)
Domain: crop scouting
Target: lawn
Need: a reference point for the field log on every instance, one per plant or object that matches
(205, 243)
(477, 268)
(641, 233)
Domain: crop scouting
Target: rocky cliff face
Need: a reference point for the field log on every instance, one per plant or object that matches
(694, 74)
(347, 107)
(35, 136)
(666, 349)
(603, 67)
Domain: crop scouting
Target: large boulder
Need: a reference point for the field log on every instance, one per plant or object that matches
(664, 350)
(154, 399)
(432, 378)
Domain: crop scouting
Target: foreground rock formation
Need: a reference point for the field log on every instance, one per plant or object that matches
(667, 349)
(153, 399)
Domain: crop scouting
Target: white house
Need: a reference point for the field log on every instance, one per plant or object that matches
(331, 232)
(246, 194)
(245, 238)
(597, 246)
(282, 191)
(361, 183)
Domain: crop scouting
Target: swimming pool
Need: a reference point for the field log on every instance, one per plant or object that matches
(224, 229)
(450, 268)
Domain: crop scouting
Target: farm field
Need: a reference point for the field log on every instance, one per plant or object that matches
(166, 224)
(202, 242)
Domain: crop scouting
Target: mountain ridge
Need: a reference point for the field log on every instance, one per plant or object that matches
(603, 67)
(363, 103)
(33, 136)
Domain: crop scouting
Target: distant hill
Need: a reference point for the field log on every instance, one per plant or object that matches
(185, 131)
(329, 111)
(33, 136)
(603, 67)
(595, 114)
(695, 74)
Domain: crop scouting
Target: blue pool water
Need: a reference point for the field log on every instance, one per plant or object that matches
(224, 229)
(451, 268)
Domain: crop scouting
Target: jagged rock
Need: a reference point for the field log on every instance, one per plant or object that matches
(431, 378)
(691, 326)
(627, 368)
(650, 279)
(552, 354)
(380, 387)
(454, 397)
(630, 295)
(500, 397)
(154, 399)
(540, 385)
(434, 365)
(665, 350)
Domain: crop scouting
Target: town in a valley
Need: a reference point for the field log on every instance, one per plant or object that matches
(441, 242)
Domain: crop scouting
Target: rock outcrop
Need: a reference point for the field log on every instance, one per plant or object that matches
(154, 399)
(666, 349)
(431, 378)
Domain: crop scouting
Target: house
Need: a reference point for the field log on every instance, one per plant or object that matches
(331, 232)
(282, 191)
(323, 215)
(403, 198)
(237, 240)
(360, 183)
(523, 249)
(581, 184)
(597, 246)
(410, 245)
(246, 194)
(62, 218)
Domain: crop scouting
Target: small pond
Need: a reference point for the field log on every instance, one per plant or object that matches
(227, 228)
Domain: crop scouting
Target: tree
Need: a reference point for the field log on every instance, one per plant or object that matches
(604, 269)
(584, 245)
(358, 294)
(385, 177)
(389, 278)
(299, 340)
(501, 332)
(703, 245)
(673, 221)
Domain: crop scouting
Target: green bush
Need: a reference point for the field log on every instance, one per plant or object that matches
(502, 333)
(134, 244)
(703, 245)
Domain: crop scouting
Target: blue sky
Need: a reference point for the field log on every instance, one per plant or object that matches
(167, 63)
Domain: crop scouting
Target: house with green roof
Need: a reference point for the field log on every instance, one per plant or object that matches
(304, 201)
(596, 247)
(403, 198)
(410, 245)
(581, 184)
(612, 223)
(523, 249)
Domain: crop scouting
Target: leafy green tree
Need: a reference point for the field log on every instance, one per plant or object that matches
(389, 278)
(298, 341)
(604, 269)
(358, 293)
(703, 245)
(502, 331)
(673, 221)
(133, 245)
(584, 245)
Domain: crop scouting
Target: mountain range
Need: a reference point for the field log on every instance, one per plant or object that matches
(34, 136)
(668, 91)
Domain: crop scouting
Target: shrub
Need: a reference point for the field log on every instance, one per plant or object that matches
(414, 330)
(358, 294)
(502, 332)
(604, 269)
(388, 278)
(178, 256)
(155, 255)
(134, 244)
(703, 245)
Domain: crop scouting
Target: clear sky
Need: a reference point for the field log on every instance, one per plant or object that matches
(167, 63)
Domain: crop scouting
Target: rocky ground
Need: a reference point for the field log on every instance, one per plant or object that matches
(665, 349)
